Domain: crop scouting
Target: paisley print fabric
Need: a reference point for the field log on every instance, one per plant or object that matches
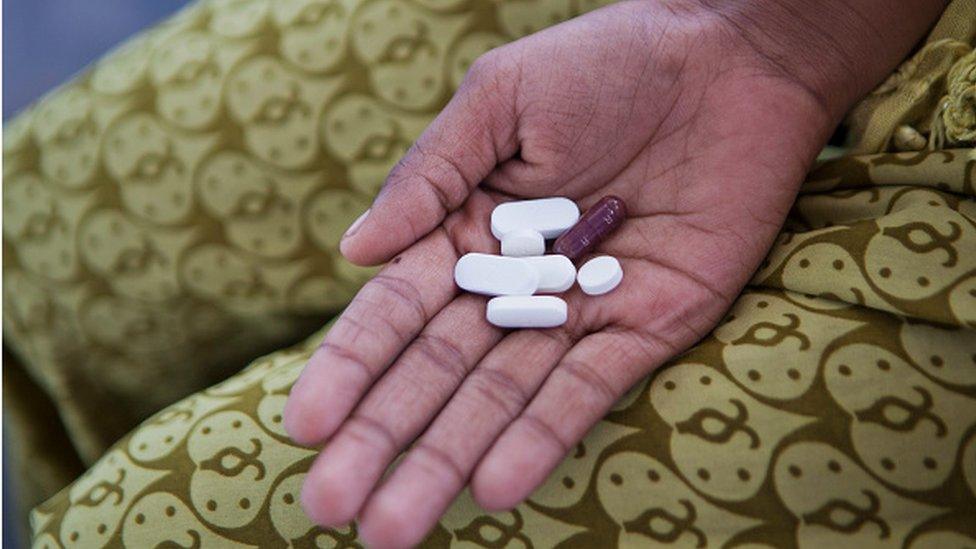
(175, 212)
(835, 405)
(930, 101)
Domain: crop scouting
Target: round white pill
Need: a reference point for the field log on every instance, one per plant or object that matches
(600, 275)
(495, 275)
(523, 242)
(537, 311)
(556, 272)
(549, 216)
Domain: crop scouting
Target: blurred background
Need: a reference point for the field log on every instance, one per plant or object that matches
(44, 43)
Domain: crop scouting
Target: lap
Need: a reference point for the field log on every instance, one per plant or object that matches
(834, 405)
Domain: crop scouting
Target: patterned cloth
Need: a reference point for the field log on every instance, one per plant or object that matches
(175, 212)
(930, 101)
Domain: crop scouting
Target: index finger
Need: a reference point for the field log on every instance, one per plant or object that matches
(386, 315)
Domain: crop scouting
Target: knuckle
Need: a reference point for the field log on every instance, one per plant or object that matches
(425, 168)
(359, 324)
(438, 461)
(448, 175)
(392, 293)
(399, 170)
(444, 179)
(498, 389)
(442, 354)
(397, 174)
(546, 431)
(348, 355)
(400, 175)
(594, 383)
(372, 432)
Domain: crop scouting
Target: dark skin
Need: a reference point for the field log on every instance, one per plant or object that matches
(703, 119)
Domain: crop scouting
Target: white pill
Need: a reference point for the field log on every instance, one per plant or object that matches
(549, 216)
(600, 275)
(537, 311)
(556, 272)
(523, 242)
(495, 275)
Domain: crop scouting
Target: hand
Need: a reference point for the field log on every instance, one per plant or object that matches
(676, 109)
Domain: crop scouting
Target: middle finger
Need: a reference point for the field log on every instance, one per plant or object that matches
(435, 470)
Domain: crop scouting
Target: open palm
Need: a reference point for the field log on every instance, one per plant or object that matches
(704, 139)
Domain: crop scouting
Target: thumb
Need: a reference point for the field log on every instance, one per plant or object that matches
(474, 132)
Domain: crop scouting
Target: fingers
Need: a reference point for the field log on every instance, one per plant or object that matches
(578, 392)
(435, 470)
(386, 314)
(474, 132)
(395, 411)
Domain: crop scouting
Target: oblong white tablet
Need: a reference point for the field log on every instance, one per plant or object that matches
(556, 272)
(495, 275)
(523, 243)
(549, 216)
(600, 275)
(537, 311)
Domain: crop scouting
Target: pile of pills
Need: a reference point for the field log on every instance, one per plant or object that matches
(524, 270)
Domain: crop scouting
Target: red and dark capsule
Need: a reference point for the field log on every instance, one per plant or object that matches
(591, 228)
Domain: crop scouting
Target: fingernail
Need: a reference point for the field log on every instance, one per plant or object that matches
(355, 225)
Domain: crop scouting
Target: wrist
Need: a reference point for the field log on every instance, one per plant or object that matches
(836, 51)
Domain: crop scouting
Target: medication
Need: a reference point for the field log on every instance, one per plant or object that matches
(556, 272)
(539, 311)
(523, 242)
(595, 225)
(600, 275)
(523, 270)
(548, 216)
(495, 275)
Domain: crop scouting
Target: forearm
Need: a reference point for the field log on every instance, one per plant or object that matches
(837, 50)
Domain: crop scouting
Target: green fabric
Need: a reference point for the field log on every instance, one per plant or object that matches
(928, 103)
(836, 405)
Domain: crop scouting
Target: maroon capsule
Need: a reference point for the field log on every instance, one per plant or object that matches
(593, 226)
